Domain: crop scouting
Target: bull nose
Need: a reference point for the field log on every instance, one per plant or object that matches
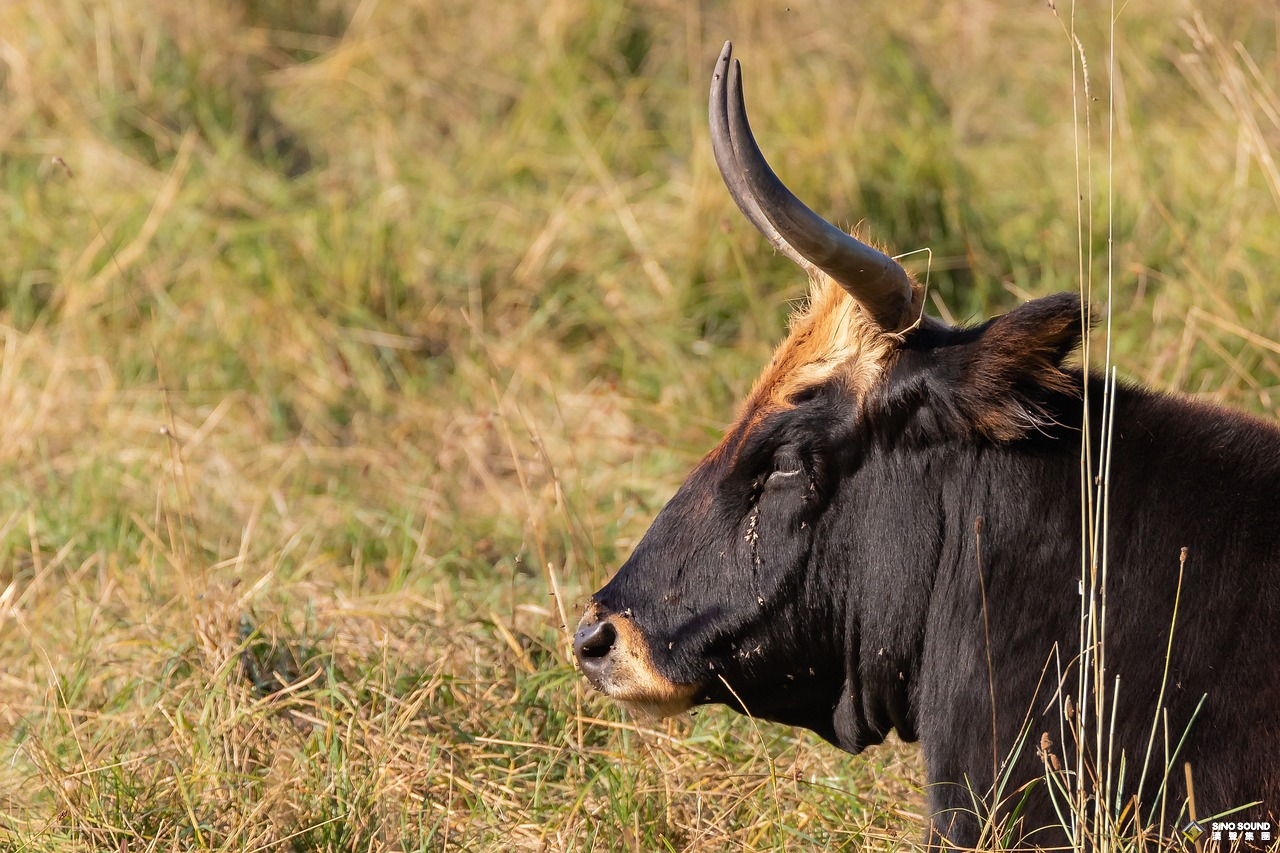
(591, 645)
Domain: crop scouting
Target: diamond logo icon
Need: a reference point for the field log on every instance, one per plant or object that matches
(1193, 831)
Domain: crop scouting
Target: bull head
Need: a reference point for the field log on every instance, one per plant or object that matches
(789, 576)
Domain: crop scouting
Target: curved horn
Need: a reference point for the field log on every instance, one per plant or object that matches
(727, 160)
(871, 277)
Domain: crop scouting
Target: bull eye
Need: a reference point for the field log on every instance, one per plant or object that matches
(787, 465)
(779, 476)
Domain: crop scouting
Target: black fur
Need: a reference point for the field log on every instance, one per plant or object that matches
(849, 598)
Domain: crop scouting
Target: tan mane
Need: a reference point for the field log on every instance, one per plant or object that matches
(830, 335)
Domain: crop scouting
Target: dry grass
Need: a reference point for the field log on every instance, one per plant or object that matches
(350, 332)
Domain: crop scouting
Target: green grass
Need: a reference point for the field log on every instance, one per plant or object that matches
(351, 331)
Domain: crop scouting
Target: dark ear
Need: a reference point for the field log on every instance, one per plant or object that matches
(1015, 365)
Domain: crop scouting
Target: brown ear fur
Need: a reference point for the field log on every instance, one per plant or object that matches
(1016, 360)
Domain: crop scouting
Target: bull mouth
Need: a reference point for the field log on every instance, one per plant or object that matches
(613, 653)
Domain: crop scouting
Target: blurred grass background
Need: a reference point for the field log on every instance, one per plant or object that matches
(338, 336)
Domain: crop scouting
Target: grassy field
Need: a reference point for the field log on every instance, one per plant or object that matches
(345, 346)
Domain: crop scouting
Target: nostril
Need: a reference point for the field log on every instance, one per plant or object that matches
(595, 641)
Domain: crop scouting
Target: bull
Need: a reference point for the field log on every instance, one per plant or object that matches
(889, 538)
